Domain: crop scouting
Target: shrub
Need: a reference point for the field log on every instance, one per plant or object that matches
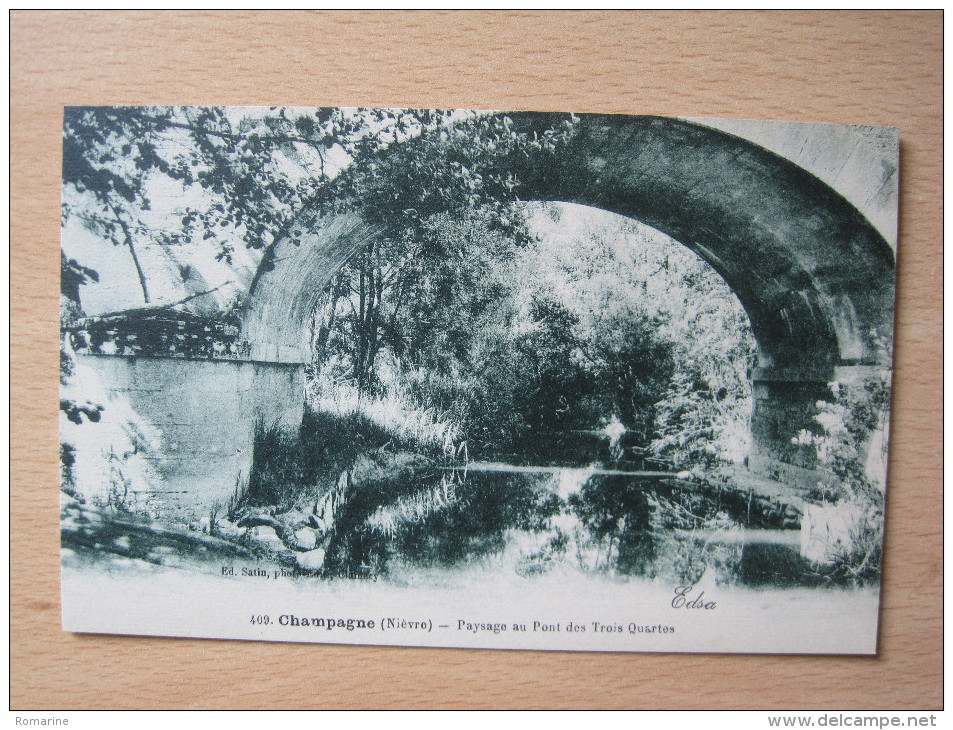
(847, 424)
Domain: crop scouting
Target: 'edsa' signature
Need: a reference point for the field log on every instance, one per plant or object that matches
(683, 600)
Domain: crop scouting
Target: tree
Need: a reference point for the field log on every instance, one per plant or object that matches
(633, 361)
(244, 174)
(445, 206)
(703, 417)
(654, 321)
(107, 155)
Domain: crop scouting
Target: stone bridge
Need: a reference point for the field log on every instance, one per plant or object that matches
(814, 275)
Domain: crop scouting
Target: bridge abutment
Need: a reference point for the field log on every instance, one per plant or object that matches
(785, 406)
(192, 421)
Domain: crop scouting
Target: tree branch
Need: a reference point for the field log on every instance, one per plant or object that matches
(232, 137)
(132, 250)
(160, 307)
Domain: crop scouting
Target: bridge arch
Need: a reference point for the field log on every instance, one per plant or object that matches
(814, 276)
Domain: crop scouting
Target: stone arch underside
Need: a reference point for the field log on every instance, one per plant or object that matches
(814, 276)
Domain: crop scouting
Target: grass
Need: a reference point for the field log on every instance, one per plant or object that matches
(277, 475)
(393, 412)
(340, 425)
(856, 560)
(414, 509)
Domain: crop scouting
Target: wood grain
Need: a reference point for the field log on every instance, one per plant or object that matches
(846, 67)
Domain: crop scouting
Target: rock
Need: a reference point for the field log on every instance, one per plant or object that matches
(225, 529)
(266, 537)
(311, 560)
(293, 519)
(257, 519)
(305, 539)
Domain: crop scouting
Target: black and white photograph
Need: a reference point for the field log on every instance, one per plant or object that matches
(456, 378)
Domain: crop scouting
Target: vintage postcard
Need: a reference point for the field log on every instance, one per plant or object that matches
(475, 379)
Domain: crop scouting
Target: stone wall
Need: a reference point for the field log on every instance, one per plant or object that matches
(785, 404)
(197, 420)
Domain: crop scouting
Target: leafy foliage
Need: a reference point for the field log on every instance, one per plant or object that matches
(847, 422)
(520, 335)
(246, 173)
(846, 425)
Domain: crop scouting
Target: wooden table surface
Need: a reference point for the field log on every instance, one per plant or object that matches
(845, 67)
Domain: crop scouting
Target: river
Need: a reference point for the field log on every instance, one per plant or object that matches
(594, 519)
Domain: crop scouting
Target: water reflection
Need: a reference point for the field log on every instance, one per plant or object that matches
(533, 521)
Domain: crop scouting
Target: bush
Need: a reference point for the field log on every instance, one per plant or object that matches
(276, 475)
(847, 424)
